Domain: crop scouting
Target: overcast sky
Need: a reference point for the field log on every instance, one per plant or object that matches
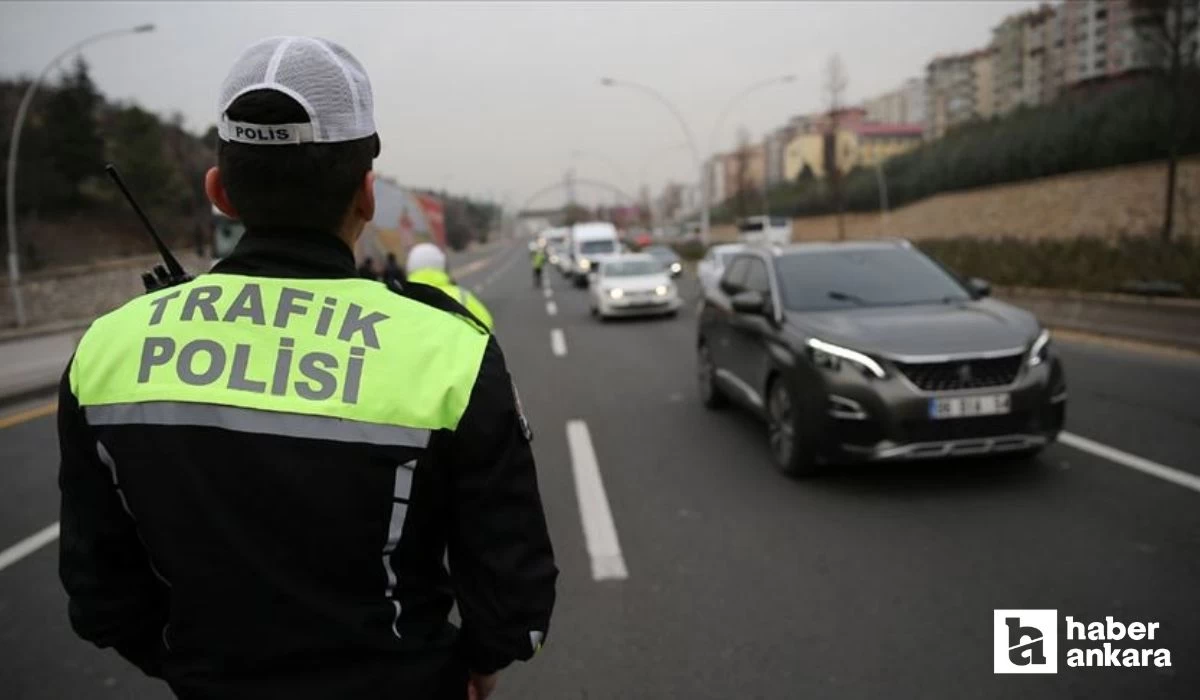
(496, 97)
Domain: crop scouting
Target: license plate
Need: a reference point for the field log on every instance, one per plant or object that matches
(968, 406)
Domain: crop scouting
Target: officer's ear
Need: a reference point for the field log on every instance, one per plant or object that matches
(215, 189)
(364, 197)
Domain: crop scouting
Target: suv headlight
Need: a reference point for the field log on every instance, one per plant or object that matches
(616, 293)
(830, 356)
(661, 290)
(1039, 352)
(585, 264)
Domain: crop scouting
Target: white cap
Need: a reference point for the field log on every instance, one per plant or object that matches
(323, 77)
(424, 256)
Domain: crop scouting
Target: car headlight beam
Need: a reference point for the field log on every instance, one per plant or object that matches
(616, 293)
(585, 264)
(1039, 352)
(661, 290)
(829, 356)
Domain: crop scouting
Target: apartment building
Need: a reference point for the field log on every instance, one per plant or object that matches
(960, 88)
(1027, 59)
(904, 105)
(860, 142)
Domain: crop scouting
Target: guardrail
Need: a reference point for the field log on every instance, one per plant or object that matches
(1164, 321)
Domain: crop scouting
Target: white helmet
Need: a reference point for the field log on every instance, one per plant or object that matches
(425, 256)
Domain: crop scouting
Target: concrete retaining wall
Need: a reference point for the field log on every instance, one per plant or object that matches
(83, 292)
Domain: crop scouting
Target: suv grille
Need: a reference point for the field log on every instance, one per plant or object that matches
(963, 374)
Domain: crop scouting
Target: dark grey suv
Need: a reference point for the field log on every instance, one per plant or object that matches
(871, 352)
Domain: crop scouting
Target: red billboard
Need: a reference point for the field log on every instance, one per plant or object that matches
(435, 215)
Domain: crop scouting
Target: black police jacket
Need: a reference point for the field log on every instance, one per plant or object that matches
(281, 535)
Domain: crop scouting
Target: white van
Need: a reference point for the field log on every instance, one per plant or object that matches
(769, 230)
(591, 242)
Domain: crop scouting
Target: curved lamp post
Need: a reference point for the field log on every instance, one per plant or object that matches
(10, 194)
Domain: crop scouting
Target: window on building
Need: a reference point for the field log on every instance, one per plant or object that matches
(1102, 13)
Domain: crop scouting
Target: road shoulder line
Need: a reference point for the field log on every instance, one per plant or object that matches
(1125, 459)
(28, 546)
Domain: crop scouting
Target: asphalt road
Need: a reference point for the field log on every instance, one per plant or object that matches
(870, 582)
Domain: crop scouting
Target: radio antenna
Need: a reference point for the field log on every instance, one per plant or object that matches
(173, 266)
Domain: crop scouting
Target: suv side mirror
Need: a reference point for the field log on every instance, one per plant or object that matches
(749, 302)
(979, 287)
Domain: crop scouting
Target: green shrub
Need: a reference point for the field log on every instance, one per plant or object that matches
(1082, 263)
(1106, 126)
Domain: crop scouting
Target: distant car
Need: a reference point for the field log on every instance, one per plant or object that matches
(873, 352)
(713, 265)
(555, 252)
(768, 230)
(632, 285)
(669, 259)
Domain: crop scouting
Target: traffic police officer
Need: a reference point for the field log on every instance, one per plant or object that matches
(427, 265)
(263, 469)
(539, 260)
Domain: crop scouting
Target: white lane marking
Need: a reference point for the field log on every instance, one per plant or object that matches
(548, 292)
(598, 528)
(1141, 464)
(558, 342)
(552, 308)
(28, 546)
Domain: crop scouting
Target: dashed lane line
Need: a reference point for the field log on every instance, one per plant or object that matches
(558, 342)
(551, 308)
(604, 549)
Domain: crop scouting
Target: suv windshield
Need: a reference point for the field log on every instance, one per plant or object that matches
(838, 279)
(661, 253)
(596, 247)
(631, 268)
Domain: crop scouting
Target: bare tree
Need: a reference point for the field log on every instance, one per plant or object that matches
(1167, 29)
(742, 177)
(836, 81)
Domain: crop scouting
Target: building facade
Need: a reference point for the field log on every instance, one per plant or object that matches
(861, 142)
(1025, 59)
(904, 105)
(775, 146)
(754, 163)
(959, 89)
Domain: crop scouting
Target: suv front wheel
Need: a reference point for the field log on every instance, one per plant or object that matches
(706, 378)
(790, 450)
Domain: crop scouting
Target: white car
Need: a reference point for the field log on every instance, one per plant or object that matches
(771, 230)
(633, 285)
(713, 265)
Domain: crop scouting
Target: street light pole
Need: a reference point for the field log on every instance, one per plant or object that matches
(705, 195)
(691, 140)
(10, 190)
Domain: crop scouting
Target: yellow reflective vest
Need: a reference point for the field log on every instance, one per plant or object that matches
(441, 280)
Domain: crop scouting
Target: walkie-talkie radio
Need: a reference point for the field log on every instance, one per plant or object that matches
(160, 277)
